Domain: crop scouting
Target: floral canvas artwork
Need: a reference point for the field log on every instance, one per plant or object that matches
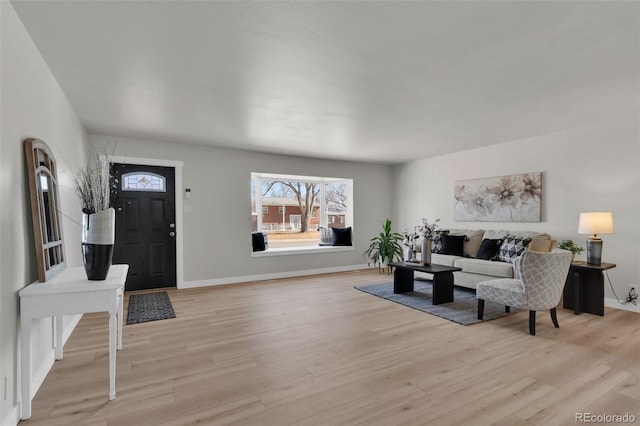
(514, 198)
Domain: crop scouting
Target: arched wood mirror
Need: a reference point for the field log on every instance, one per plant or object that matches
(45, 209)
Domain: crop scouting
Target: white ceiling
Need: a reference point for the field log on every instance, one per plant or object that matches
(367, 81)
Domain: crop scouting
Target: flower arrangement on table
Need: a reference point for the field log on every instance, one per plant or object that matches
(410, 238)
(428, 232)
(426, 229)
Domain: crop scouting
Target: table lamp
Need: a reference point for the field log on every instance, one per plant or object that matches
(594, 223)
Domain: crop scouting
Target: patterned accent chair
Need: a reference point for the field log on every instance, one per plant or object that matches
(539, 287)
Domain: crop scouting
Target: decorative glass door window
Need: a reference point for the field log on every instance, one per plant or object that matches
(137, 181)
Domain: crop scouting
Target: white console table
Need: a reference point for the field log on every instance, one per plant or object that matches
(69, 293)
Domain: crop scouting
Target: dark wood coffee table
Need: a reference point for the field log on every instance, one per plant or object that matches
(442, 279)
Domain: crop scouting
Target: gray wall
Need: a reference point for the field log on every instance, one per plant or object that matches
(33, 105)
(217, 218)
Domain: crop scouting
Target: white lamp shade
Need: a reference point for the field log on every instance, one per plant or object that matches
(595, 223)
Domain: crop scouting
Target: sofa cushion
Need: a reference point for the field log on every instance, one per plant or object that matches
(540, 241)
(493, 234)
(485, 267)
(512, 247)
(488, 249)
(436, 241)
(473, 241)
(453, 244)
(444, 259)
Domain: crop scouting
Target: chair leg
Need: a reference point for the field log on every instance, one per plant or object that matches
(507, 309)
(532, 323)
(554, 318)
(480, 308)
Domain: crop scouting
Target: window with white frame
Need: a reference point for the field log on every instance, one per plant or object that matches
(304, 205)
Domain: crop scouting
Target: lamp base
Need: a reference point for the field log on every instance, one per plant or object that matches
(594, 251)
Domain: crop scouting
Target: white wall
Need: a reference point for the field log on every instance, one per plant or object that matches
(217, 218)
(32, 105)
(594, 168)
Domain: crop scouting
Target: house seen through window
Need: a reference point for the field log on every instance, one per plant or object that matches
(294, 208)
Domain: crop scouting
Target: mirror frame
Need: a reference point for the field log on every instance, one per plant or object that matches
(45, 209)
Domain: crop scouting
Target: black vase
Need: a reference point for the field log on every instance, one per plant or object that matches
(97, 260)
(98, 237)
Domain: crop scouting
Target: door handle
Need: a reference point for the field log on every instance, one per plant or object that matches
(172, 225)
(172, 234)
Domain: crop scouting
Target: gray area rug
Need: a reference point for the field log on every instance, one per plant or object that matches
(463, 309)
(149, 307)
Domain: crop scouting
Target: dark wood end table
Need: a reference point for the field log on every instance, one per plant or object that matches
(442, 279)
(584, 288)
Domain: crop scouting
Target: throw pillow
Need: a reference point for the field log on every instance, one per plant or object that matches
(452, 244)
(342, 236)
(436, 241)
(326, 236)
(488, 249)
(258, 241)
(512, 246)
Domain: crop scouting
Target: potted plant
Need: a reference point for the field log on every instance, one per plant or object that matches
(384, 247)
(570, 246)
(92, 185)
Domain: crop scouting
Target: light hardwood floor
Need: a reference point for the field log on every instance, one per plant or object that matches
(315, 351)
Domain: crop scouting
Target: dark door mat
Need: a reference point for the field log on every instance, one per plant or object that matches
(149, 307)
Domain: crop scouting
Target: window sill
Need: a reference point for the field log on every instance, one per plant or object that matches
(286, 251)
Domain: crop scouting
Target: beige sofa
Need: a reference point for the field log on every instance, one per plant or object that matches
(477, 270)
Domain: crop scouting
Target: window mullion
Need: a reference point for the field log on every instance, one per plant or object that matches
(323, 205)
(350, 203)
(259, 203)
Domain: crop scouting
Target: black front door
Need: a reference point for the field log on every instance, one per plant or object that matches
(144, 201)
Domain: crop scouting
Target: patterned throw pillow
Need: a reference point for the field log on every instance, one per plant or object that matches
(326, 236)
(436, 242)
(512, 246)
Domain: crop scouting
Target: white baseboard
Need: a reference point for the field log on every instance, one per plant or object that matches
(613, 303)
(12, 419)
(273, 276)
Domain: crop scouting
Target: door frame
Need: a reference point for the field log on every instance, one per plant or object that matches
(177, 166)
